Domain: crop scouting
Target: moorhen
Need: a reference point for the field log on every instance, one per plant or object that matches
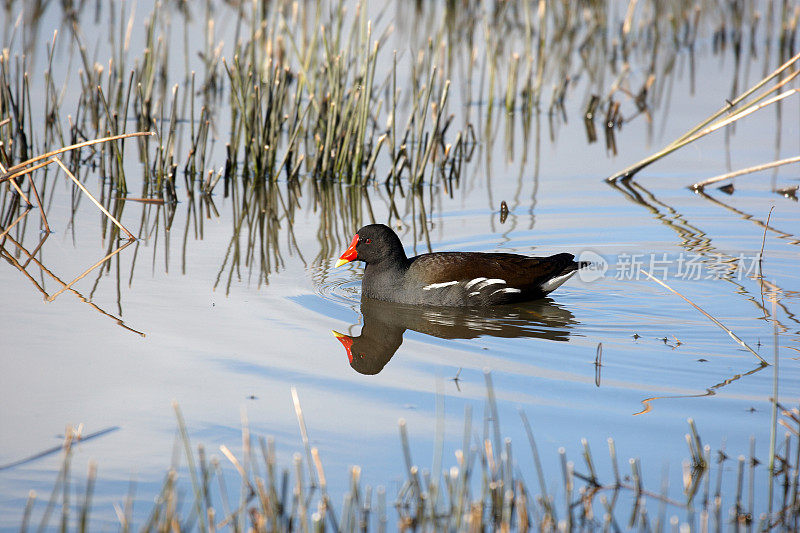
(452, 279)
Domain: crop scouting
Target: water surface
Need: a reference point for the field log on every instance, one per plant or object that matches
(223, 313)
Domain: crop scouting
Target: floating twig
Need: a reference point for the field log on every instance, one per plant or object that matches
(717, 322)
(701, 184)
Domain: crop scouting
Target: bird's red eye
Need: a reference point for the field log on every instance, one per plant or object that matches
(367, 241)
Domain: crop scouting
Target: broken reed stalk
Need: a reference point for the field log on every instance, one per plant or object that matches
(33, 187)
(21, 194)
(24, 172)
(709, 125)
(733, 103)
(14, 223)
(547, 501)
(156, 201)
(92, 198)
(683, 141)
(325, 504)
(749, 170)
(62, 480)
(761, 261)
(598, 363)
(38, 202)
(717, 322)
(23, 169)
(304, 434)
(187, 448)
(16, 170)
(773, 427)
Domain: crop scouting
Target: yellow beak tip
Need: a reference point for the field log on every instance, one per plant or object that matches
(340, 262)
(337, 334)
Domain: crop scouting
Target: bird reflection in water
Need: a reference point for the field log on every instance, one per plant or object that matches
(384, 324)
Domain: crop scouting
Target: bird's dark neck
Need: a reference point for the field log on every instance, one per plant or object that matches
(394, 265)
(384, 276)
(395, 259)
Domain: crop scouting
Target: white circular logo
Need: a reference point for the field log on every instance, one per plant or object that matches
(596, 268)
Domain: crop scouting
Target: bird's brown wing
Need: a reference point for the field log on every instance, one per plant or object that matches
(516, 270)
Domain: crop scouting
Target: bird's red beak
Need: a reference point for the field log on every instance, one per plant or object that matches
(347, 342)
(350, 254)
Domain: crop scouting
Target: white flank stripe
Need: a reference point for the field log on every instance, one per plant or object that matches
(493, 281)
(505, 291)
(474, 293)
(469, 285)
(553, 284)
(438, 285)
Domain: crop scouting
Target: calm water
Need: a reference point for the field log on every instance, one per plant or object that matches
(224, 338)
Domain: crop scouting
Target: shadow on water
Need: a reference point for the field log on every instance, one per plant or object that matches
(385, 323)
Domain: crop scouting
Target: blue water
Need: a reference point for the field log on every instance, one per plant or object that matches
(221, 340)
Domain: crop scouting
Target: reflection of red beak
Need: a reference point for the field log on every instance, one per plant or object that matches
(350, 254)
(347, 342)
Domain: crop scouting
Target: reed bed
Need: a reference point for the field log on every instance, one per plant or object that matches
(318, 89)
(299, 101)
(483, 489)
(321, 93)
